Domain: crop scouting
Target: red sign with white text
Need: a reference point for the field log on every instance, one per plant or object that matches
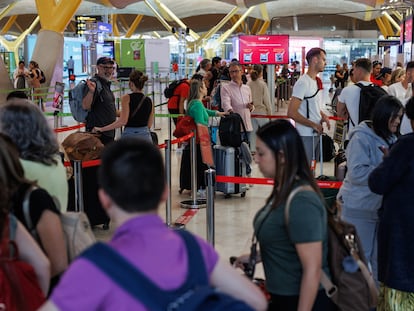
(264, 49)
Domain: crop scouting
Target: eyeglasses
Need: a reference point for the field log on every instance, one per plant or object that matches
(107, 67)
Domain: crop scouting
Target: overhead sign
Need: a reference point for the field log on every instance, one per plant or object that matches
(264, 49)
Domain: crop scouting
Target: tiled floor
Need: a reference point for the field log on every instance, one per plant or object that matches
(233, 216)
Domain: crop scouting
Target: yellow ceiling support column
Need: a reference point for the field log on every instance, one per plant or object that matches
(256, 26)
(387, 26)
(265, 15)
(6, 10)
(13, 46)
(123, 21)
(115, 29)
(220, 24)
(164, 9)
(8, 24)
(381, 26)
(160, 18)
(389, 19)
(134, 26)
(55, 16)
(235, 20)
(225, 35)
(264, 28)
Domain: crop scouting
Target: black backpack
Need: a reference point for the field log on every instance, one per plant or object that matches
(169, 90)
(230, 132)
(196, 294)
(367, 99)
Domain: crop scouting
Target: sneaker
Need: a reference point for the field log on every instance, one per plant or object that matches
(201, 194)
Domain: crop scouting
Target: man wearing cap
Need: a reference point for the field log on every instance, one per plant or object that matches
(385, 77)
(99, 100)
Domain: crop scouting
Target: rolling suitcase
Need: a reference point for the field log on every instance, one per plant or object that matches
(229, 163)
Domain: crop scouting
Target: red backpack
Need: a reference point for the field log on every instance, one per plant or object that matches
(19, 287)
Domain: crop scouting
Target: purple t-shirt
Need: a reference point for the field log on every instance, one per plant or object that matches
(148, 244)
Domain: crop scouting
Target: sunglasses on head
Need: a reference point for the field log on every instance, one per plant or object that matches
(375, 62)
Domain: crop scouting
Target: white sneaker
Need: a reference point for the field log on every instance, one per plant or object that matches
(201, 194)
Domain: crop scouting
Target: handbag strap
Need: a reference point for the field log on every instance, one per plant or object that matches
(137, 284)
(139, 105)
(26, 211)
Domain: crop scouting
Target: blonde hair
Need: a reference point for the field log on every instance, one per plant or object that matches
(396, 74)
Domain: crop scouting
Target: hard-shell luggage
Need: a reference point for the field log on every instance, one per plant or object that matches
(228, 162)
(91, 203)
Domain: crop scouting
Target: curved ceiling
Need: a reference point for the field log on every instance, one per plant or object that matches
(202, 15)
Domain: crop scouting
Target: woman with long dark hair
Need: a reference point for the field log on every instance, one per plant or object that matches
(28, 250)
(368, 142)
(292, 253)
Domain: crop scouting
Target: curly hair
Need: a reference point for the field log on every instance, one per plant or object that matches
(24, 123)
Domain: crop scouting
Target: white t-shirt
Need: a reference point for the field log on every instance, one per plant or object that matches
(403, 94)
(306, 87)
(398, 90)
(350, 97)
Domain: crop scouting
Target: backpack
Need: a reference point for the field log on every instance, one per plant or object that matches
(368, 97)
(185, 125)
(76, 96)
(230, 130)
(19, 286)
(350, 285)
(169, 90)
(216, 98)
(42, 77)
(194, 295)
(77, 230)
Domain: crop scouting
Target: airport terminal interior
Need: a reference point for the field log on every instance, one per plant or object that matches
(183, 32)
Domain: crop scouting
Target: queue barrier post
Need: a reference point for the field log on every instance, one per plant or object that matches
(168, 215)
(194, 202)
(77, 175)
(210, 176)
(56, 119)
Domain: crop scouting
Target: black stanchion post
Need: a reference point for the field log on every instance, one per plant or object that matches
(168, 215)
(210, 176)
(77, 175)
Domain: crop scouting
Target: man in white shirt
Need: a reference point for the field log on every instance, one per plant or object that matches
(348, 101)
(403, 91)
(305, 105)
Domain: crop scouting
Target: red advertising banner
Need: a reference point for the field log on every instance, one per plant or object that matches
(408, 29)
(264, 49)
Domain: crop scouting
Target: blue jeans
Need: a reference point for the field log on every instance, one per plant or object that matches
(367, 230)
(139, 132)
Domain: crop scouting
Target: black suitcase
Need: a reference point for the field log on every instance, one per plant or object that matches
(91, 203)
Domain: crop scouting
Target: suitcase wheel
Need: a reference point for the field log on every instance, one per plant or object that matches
(243, 194)
(226, 196)
(105, 226)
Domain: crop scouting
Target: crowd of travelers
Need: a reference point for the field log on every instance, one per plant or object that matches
(375, 195)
